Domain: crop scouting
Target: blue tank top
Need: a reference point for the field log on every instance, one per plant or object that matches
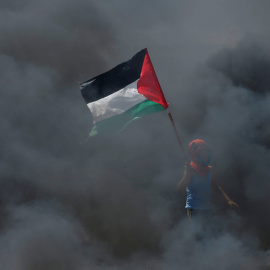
(198, 192)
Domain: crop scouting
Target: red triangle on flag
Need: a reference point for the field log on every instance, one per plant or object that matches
(148, 84)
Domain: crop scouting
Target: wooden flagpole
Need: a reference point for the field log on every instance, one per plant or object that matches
(178, 137)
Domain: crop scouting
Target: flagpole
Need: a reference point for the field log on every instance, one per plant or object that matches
(178, 137)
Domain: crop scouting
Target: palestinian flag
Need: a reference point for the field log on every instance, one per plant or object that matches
(123, 94)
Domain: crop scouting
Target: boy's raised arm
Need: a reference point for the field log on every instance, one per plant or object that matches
(188, 173)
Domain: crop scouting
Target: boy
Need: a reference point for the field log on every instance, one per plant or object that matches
(198, 180)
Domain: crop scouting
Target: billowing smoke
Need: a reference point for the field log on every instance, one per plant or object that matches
(68, 202)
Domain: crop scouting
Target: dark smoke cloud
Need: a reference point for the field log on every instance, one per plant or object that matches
(232, 112)
(57, 35)
(110, 203)
(41, 238)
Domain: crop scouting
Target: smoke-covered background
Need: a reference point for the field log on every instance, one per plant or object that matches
(111, 203)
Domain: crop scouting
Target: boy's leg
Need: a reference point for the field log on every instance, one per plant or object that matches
(189, 213)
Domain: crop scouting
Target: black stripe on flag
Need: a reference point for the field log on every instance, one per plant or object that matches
(113, 80)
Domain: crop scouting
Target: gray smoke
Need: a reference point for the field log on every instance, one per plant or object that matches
(68, 202)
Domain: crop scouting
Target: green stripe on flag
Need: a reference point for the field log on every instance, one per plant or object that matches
(118, 122)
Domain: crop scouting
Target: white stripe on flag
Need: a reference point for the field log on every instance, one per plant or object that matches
(116, 103)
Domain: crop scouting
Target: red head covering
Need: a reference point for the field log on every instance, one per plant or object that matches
(194, 149)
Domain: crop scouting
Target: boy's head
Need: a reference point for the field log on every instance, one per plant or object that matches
(199, 152)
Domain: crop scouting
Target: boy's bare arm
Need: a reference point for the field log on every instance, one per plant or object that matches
(218, 188)
(186, 178)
